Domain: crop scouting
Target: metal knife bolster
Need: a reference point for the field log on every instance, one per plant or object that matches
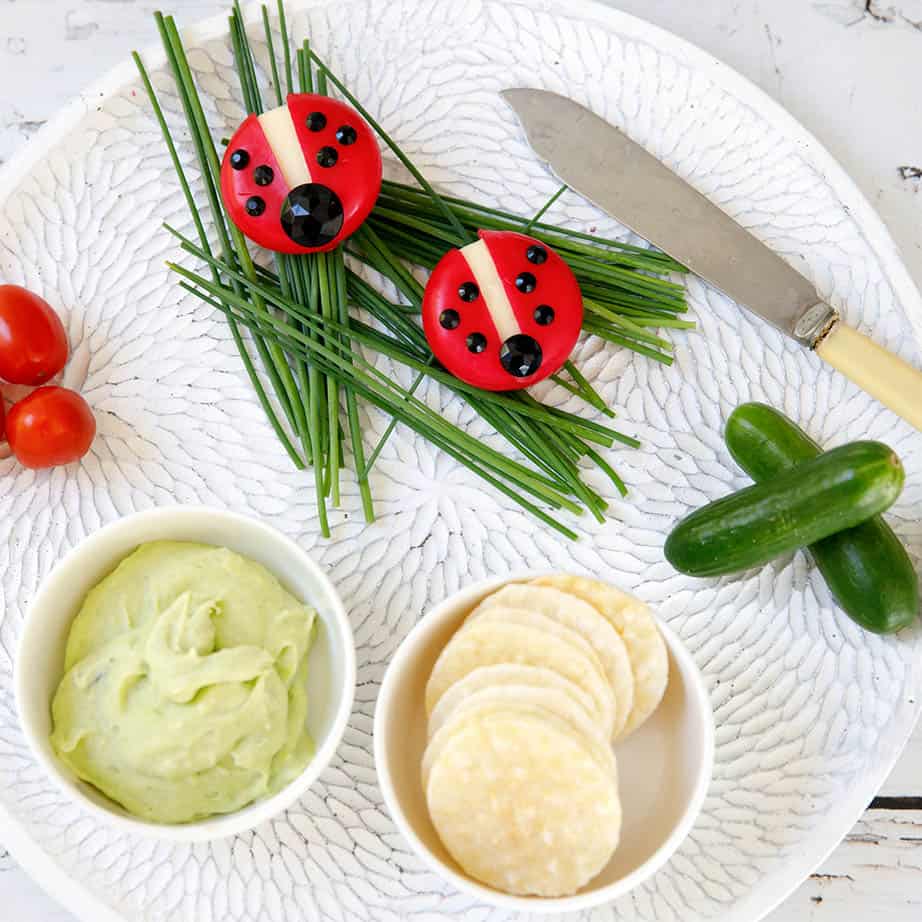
(815, 324)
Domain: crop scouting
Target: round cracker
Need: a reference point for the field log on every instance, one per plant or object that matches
(507, 615)
(589, 734)
(574, 613)
(492, 642)
(501, 696)
(634, 621)
(510, 674)
(523, 806)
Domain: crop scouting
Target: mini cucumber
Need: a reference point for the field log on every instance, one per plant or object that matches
(866, 567)
(827, 494)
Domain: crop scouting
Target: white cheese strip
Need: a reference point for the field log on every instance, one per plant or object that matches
(491, 288)
(279, 129)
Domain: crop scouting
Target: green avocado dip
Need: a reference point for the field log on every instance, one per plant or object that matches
(185, 686)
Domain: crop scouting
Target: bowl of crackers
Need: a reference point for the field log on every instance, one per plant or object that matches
(543, 742)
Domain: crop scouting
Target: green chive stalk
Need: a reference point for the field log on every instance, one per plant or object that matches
(312, 346)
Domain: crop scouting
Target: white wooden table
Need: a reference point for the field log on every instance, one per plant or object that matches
(850, 70)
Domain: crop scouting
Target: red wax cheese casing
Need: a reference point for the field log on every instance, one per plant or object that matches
(303, 177)
(502, 313)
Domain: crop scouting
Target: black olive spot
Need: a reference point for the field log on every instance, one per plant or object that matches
(255, 206)
(239, 159)
(526, 283)
(316, 121)
(468, 291)
(327, 156)
(520, 355)
(450, 319)
(476, 342)
(536, 254)
(544, 314)
(346, 135)
(263, 175)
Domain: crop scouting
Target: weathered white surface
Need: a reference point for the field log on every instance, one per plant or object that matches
(874, 874)
(850, 74)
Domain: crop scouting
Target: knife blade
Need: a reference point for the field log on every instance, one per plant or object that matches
(628, 182)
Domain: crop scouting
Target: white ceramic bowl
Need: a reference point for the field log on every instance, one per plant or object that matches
(40, 659)
(664, 767)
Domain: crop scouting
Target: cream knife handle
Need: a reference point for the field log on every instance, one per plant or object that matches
(895, 383)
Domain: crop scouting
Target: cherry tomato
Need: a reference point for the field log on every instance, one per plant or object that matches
(49, 427)
(33, 344)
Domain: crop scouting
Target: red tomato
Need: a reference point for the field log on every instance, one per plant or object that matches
(33, 344)
(49, 427)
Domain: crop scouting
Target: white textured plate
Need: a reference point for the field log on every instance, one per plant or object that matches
(811, 712)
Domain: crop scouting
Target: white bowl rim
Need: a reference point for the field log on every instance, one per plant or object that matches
(541, 905)
(223, 825)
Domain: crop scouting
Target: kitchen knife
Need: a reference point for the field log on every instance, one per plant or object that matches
(603, 164)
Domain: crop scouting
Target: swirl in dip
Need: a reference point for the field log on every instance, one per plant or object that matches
(184, 692)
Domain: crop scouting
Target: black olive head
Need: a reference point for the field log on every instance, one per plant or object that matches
(312, 215)
(520, 355)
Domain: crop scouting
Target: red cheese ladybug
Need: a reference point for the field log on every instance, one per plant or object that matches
(502, 313)
(301, 178)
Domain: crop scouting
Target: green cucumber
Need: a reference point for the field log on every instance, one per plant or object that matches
(866, 567)
(834, 491)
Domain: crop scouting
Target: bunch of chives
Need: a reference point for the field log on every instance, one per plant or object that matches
(299, 322)
(624, 292)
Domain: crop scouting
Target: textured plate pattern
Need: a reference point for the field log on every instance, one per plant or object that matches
(810, 711)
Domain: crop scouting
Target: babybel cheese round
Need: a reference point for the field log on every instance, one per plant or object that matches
(302, 177)
(502, 313)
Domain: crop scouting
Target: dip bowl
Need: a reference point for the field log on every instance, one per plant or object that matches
(40, 658)
(664, 766)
